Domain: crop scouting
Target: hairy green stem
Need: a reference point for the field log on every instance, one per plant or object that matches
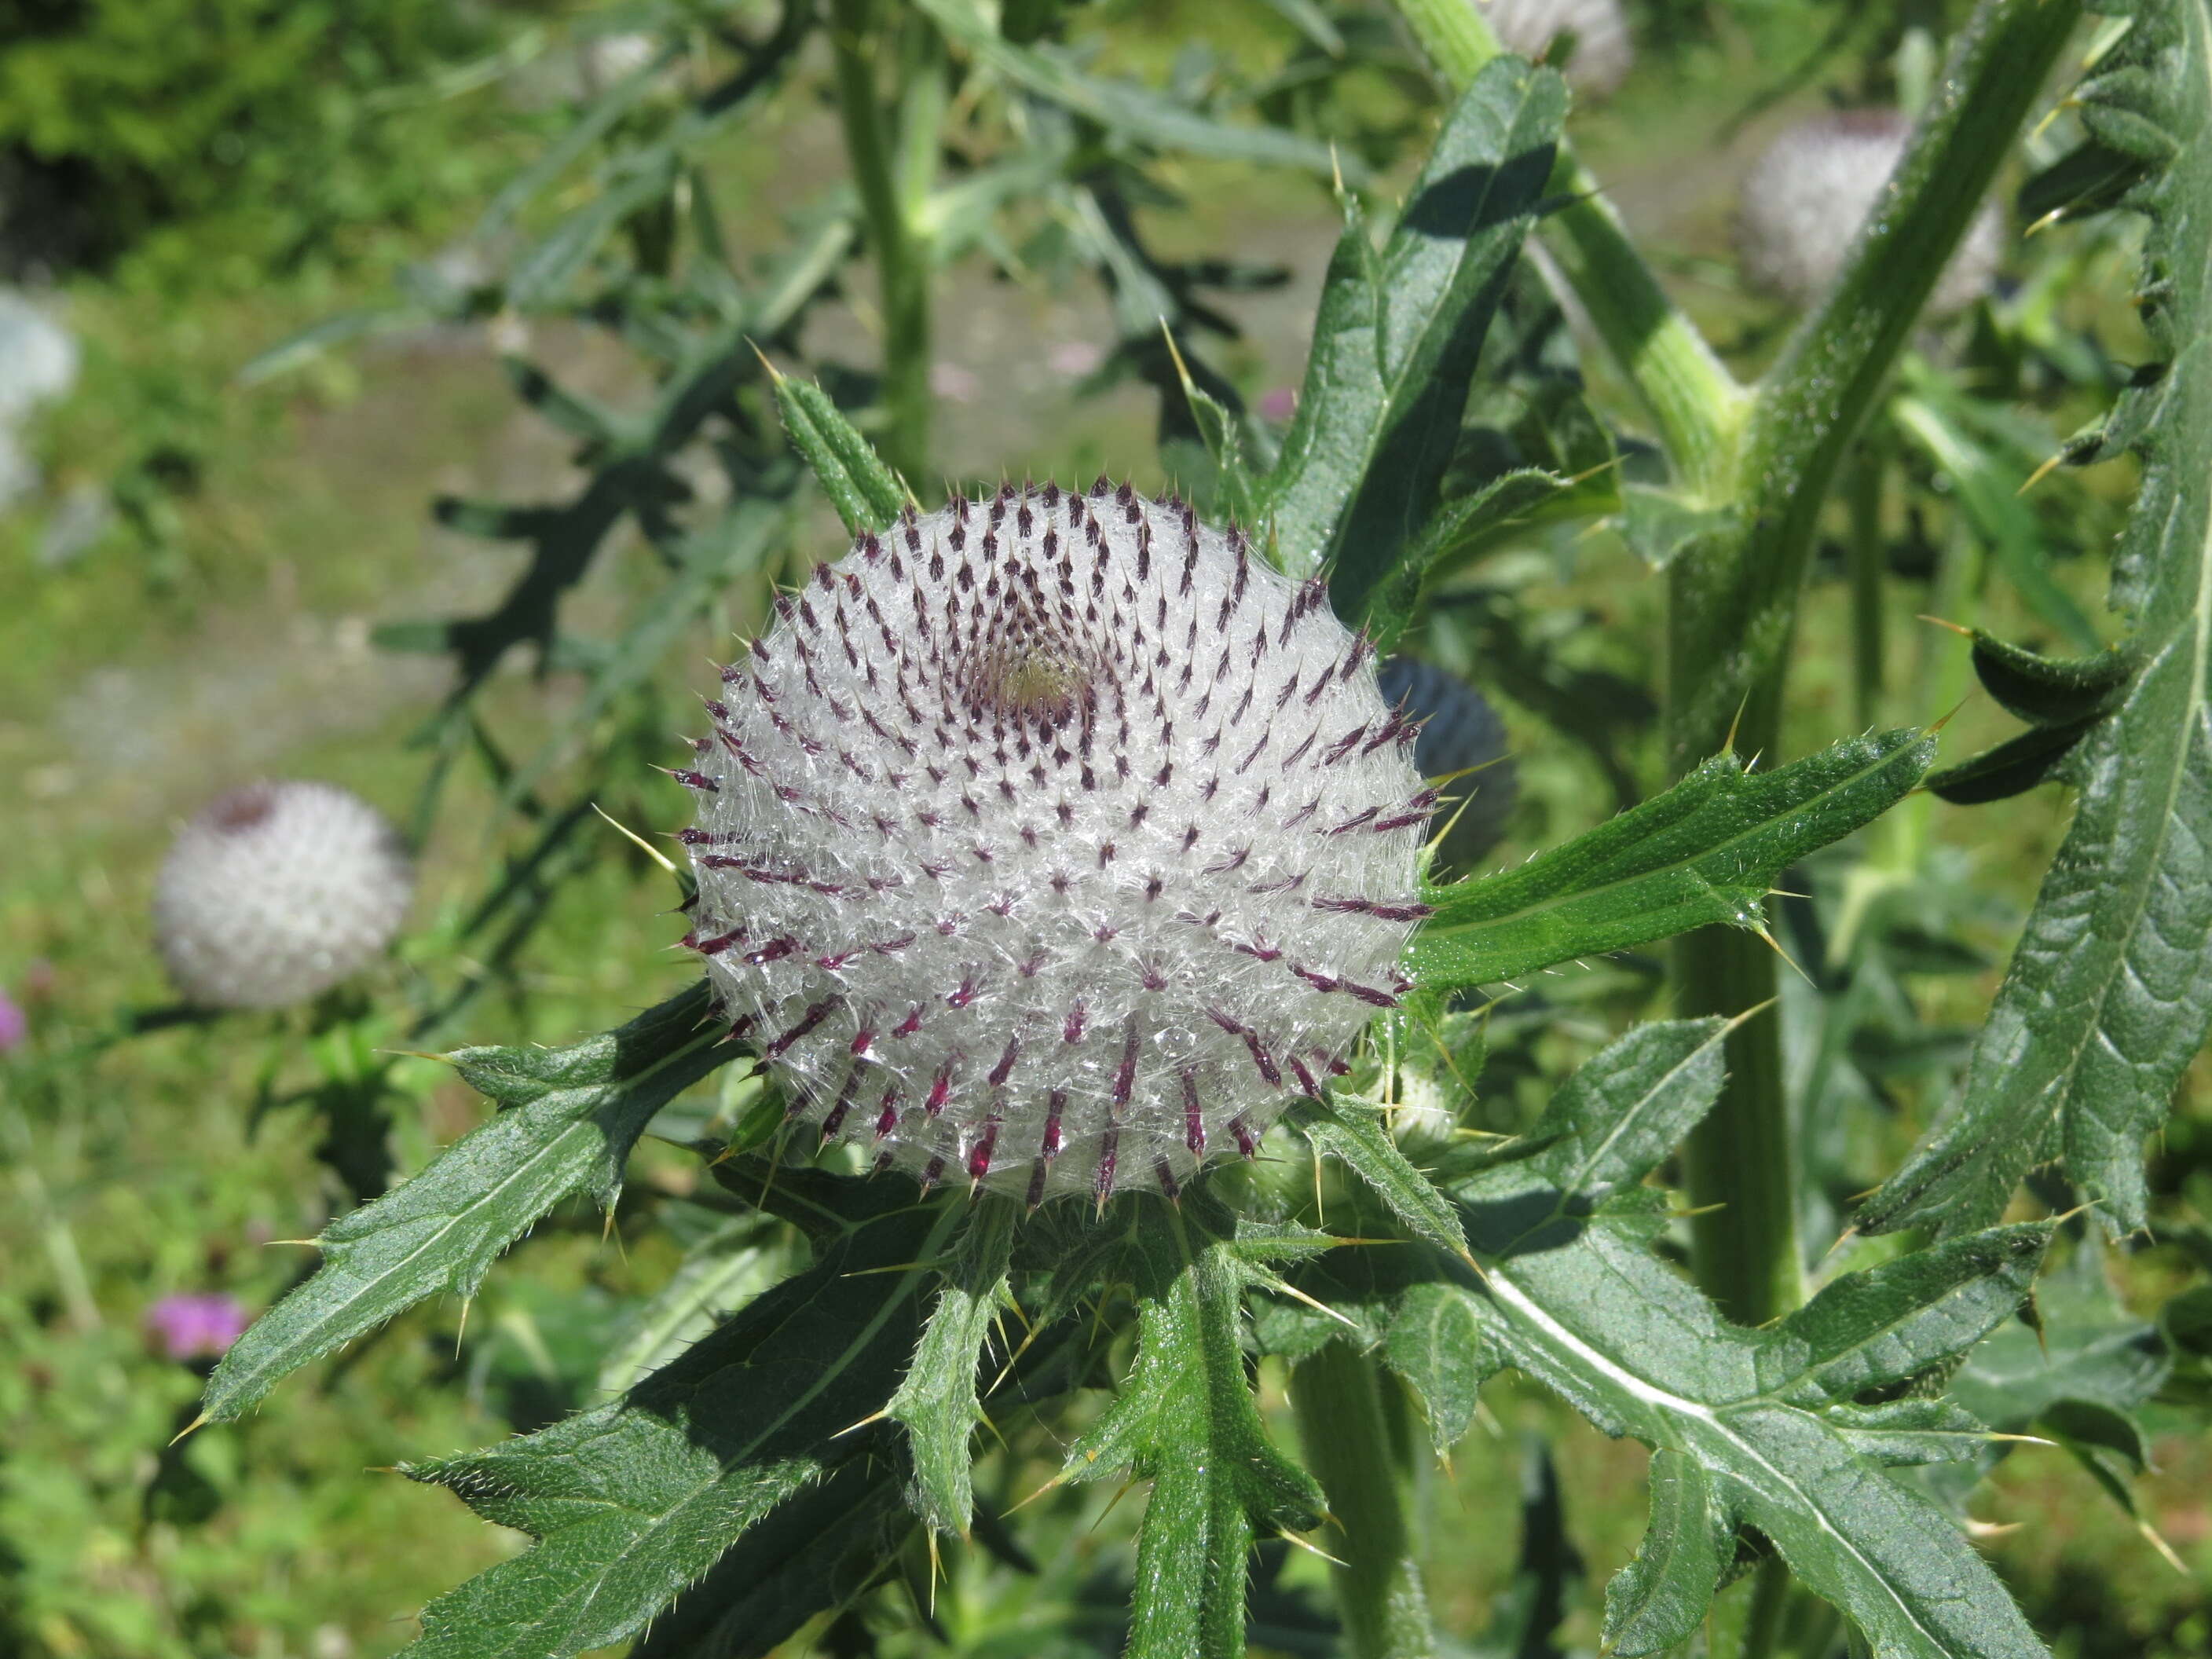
(1733, 597)
(1697, 405)
(1733, 608)
(1770, 1605)
(888, 169)
(1868, 555)
(1337, 1396)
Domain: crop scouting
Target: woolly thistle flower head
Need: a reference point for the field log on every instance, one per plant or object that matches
(1054, 843)
(1802, 204)
(1603, 53)
(276, 892)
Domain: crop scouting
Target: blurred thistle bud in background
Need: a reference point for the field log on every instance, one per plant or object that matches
(1462, 740)
(1055, 843)
(1800, 209)
(1601, 52)
(276, 892)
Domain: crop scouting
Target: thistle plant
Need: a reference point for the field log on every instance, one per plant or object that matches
(276, 891)
(1046, 847)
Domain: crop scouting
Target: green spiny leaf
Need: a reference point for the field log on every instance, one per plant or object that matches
(2084, 1346)
(1705, 851)
(1185, 1420)
(1612, 1122)
(1463, 526)
(1891, 1322)
(820, 1550)
(2050, 690)
(1660, 1598)
(633, 1501)
(1572, 1296)
(1353, 1132)
(867, 495)
(2109, 994)
(1229, 493)
(937, 1401)
(2012, 767)
(1435, 1340)
(572, 1116)
(1902, 1433)
(1398, 334)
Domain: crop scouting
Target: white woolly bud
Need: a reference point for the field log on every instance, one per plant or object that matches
(1055, 841)
(1802, 204)
(276, 892)
(1603, 52)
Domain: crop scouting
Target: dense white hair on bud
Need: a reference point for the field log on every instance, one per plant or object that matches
(276, 892)
(1603, 51)
(1802, 204)
(1053, 842)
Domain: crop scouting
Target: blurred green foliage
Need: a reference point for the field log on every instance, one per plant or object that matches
(226, 143)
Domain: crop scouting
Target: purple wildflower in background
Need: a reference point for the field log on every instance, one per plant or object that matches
(14, 1024)
(1279, 404)
(197, 1326)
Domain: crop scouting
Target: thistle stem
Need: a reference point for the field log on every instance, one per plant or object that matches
(1868, 556)
(1337, 1395)
(1698, 406)
(1733, 605)
(888, 170)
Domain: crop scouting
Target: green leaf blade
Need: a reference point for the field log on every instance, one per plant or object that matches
(1571, 1295)
(1660, 1598)
(867, 494)
(937, 1402)
(574, 1115)
(2109, 994)
(1704, 852)
(1185, 1420)
(1887, 1325)
(1354, 1133)
(1398, 333)
(632, 1502)
(1436, 1341)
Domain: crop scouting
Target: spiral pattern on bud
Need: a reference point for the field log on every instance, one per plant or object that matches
(1054, 843)
(276, 892)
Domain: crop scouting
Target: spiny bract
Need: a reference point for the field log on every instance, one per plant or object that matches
(1603, 52)
(1054, 842)
(1802, 204)
(276, 892)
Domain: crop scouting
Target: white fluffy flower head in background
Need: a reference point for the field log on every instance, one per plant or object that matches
(1802, 204)
(276, 892)
(1054, 843)
(1603, 52)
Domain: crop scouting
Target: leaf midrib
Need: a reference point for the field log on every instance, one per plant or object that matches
(1605, 1365)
